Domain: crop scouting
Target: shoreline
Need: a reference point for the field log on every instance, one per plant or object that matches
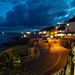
(17, 41)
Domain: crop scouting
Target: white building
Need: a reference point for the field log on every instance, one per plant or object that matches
(70, 30)
(70, 27)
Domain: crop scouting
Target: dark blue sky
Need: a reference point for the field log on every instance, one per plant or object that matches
(33, 15)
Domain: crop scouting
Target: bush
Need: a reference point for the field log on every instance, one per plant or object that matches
(9, 61)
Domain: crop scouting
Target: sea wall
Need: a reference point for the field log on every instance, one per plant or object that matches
(17, 50)
(63, 43)
(66, 43)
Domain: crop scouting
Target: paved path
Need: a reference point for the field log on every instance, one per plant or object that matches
(51, 59)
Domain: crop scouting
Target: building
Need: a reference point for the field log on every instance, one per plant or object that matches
(59, 31)
(59, 25)
(46, 31)
(64, 30)
(70, 27)
(70, 30)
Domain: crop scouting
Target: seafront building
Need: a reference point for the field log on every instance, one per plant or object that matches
(64, 30)
(59, 31)
(70, 30)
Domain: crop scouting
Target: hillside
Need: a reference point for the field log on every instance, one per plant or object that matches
(72, 20)
(48, 28)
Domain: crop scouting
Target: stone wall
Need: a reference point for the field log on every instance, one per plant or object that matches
(63, 43)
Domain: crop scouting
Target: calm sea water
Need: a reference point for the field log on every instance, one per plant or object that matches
(6, 38)
(9, 37)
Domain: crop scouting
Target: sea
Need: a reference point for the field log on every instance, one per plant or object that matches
(6, 38)
(9, 37)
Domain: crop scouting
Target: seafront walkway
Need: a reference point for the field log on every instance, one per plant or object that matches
(52, 58)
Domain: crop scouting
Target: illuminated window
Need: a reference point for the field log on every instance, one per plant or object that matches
(60, 34)
(28, 32)
(40, 32)
(73, 34)
(67, 24)
(51, 32)
(60, 30)
(44, 32)
(69, 34)
(55, 32)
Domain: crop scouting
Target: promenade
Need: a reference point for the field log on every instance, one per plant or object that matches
(52, 58)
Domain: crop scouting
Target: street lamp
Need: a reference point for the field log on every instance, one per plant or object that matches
(55, 32)
(44, 32)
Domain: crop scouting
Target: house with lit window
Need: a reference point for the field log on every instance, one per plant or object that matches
(59, 30)
(46, 31)
(70, 30)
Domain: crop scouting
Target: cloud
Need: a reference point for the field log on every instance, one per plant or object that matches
(14, 1)
(2, 21)
(39, 13)
(17, 29)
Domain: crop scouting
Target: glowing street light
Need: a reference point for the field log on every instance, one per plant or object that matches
(44, 32)
(55, 32)
(25, 36)
(60, 30)
(51, 36)
(21, 32)
(40, 32)
(28, 32)
(2, 32)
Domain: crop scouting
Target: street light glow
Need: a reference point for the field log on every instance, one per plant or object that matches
(51, 36)
(44, 32)
(28, 32)
(25, 36)
(60, 30)
(40, 32)
(2, 32)
(21, 32)
(55, 32)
